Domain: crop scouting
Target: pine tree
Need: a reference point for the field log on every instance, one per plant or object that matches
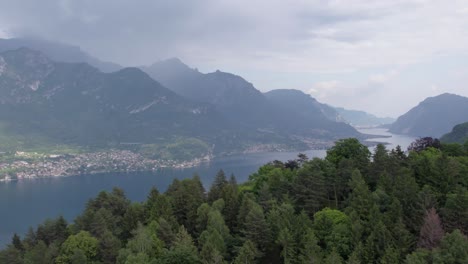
(333, 258)
(217, 187)
(165, 232)
(212, 246)
(109, 246)
(453, 249)
(309, 188)
(231, 199)
(16, 242)
(287, 244)
(186, 196)
(309, 250)
(378, 166)
(256, 227)
(455, 211)
(248, 253)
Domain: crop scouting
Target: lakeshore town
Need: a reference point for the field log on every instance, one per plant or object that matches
(29, 165)
(24, 165)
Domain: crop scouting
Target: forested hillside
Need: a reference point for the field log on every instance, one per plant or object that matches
(351, 207)
(459, 134)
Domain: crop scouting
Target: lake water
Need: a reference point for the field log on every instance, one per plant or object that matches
(392, 140)
(29, 202)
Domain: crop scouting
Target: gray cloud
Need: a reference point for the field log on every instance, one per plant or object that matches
(297, 37)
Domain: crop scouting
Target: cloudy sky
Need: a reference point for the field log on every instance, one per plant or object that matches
(380, 56)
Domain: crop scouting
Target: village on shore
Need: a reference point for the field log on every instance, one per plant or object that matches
(25, 166)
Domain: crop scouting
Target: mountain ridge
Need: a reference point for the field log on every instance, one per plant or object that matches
(433, 117)
(362, 118)
(58, 52)
(240, 101)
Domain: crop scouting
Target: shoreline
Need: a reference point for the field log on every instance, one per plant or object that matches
(31, 165)
(88, 163)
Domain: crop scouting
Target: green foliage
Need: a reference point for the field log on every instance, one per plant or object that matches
(216, 191)
(248, 253)
(351, 149)
(256, 228)
(301, 211)
(459, 134)
(333, 229)
(178, 148)
(186, 196)
(309, 187)
(455, 211)
(78, 246)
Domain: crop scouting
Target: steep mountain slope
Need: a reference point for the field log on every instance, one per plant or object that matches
(361, 118)
(236, 98)
(76, 103)
(313, 116)
(58, 52)
(243, 104)
(459, 134)
(433, 117)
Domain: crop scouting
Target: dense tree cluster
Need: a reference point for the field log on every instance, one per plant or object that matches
(351, 207)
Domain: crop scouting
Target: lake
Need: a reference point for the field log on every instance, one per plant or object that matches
(29, 202)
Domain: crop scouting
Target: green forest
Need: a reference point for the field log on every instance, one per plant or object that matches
(353, 206)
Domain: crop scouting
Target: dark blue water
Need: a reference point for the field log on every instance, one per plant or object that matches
(29, 202)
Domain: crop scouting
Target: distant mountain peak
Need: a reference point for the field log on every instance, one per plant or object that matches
(434, 116)
(132, 71)
(443, 96)
(57, 51)
(363, 119)
(174, 61)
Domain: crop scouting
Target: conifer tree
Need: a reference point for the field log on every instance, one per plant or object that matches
(248, 253)
(217, 187)
(256, 228)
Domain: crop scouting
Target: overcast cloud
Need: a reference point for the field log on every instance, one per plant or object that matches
(381, 56)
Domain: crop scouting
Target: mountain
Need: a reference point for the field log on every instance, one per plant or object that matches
(58, 52)
(246, 106)
(312, 114)
(459, 134)
(433, 117)
(236, 98)
(75, 103)
(362, 119)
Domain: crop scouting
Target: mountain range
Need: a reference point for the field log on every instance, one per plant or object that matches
(362, 119)
(244, 105)
(433, 117)
(75, 103)
(78, 104)
(61, 95)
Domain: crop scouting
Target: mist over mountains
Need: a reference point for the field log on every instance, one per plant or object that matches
(77, 103)
(64, 95)
(61, 93)
(58, 52)
(361, 118)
